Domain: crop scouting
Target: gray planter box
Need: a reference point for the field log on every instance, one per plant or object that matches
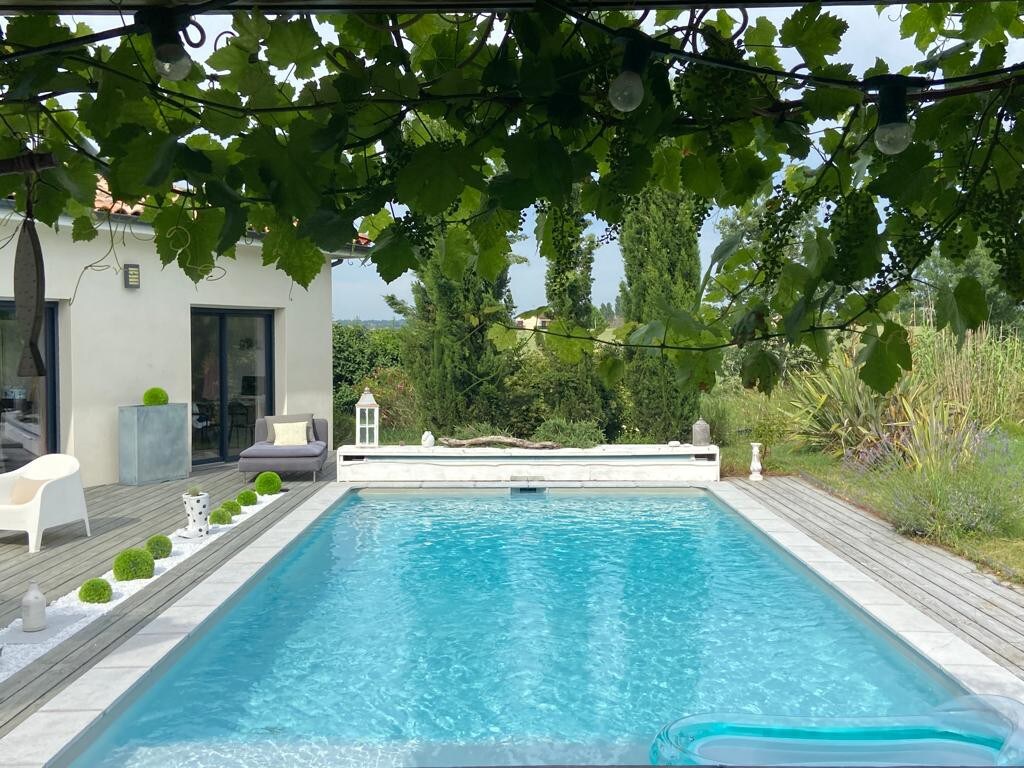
(152, 443)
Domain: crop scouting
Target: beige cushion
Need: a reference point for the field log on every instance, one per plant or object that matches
(24, 489)
(272, 421)
(290, 433)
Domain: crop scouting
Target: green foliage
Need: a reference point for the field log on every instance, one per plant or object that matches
(571, 434)
(95, 591)
(193, 490)
(267, 483)
(232, 506)
(439, 144)
(134, 563)
(476, 429)
(662, 268)
(220, 516)
(155, 396)
(158, 546)
(247, 498)
(946, 503)
(455, 370)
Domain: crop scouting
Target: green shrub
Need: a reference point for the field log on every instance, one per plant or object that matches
(232, 506)
(247, 498)
(575, 434)
(95, 591)
(476, 429)
(220, 516)
(158, 546)
(155, 396)
(948, 503)
(133, 564)
(267, 483)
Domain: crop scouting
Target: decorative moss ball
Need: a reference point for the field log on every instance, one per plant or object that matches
(232, 506)
(155, 396)
(95, 591)
(220, 516)
(267, 483)
(247, 498)
(159, 546)
(133, 564)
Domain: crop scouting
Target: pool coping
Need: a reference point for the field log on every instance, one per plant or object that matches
(52, 732)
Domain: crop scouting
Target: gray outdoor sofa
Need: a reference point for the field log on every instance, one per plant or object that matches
(264, 456)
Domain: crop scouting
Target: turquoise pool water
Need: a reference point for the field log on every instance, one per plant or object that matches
(437, 630)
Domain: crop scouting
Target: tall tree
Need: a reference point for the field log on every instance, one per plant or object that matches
(456, 371)
(577, 393)
(662, 267)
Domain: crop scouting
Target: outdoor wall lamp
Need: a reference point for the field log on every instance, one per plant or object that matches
(165, 26)
(626, 91)
(894, 131)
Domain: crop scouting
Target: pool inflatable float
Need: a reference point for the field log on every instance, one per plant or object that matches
(968, 731)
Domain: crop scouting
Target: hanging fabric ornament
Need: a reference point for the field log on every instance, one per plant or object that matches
(29, 294)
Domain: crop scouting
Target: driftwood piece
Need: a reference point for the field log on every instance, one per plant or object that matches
(494, 441)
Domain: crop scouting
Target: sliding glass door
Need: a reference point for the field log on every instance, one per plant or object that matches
(28, 404)
(232, 380)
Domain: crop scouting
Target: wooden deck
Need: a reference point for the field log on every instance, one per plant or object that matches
(121, 516)
(983, 611)
(976, 606)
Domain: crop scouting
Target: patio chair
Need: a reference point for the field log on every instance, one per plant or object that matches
(44, 493)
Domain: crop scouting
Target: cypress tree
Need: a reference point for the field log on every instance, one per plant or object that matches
(662, 267)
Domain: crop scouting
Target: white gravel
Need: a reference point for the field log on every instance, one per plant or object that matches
(17, 656)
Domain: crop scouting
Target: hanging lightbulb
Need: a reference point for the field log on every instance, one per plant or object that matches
(170, 59)
(894, 131)
(626, 91)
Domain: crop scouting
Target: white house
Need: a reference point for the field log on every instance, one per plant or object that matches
(245, 343)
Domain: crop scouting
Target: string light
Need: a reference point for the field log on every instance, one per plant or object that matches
(894, 131)
(626, 91)
(170, 59)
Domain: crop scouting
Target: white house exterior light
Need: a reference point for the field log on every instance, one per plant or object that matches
(367, 421)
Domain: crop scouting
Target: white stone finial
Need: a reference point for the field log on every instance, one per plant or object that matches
(755, 462)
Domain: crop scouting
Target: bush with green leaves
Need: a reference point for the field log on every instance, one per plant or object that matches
(158, 546)
(220, 516)
(267, 483)
(96, 591)
(232, 506)
(155, 396)
(946, 503)
(247, 498)
(133, 564)
(572, 434)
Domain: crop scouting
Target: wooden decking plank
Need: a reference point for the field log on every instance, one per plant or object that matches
(996, 595)
(26, 691)
(955, 609)
(888, 562)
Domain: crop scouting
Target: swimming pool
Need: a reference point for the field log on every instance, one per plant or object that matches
(452, 629)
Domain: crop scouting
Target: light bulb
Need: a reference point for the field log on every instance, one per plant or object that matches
(626, 91)
(893, 138)
(172, 61)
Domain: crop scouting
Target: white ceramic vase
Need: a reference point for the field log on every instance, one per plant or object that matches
(755, 461)
(198, 510)
(33, 609)
(427, 441)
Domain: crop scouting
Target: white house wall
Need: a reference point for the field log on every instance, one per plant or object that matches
(113, 342)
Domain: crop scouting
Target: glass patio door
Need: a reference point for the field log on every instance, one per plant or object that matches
(232, 380)
(28, 404)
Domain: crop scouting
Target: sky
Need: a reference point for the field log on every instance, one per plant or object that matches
(358, 291)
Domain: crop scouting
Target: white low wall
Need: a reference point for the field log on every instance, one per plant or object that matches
(639, 463)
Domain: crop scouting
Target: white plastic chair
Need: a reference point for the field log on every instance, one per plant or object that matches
(58, 497)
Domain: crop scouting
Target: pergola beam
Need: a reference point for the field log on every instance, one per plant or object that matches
(386, 6)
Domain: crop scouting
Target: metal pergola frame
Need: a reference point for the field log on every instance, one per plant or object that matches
(390, 6)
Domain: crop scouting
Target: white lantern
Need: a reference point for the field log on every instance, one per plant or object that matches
(33, 609)
(367, 420)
